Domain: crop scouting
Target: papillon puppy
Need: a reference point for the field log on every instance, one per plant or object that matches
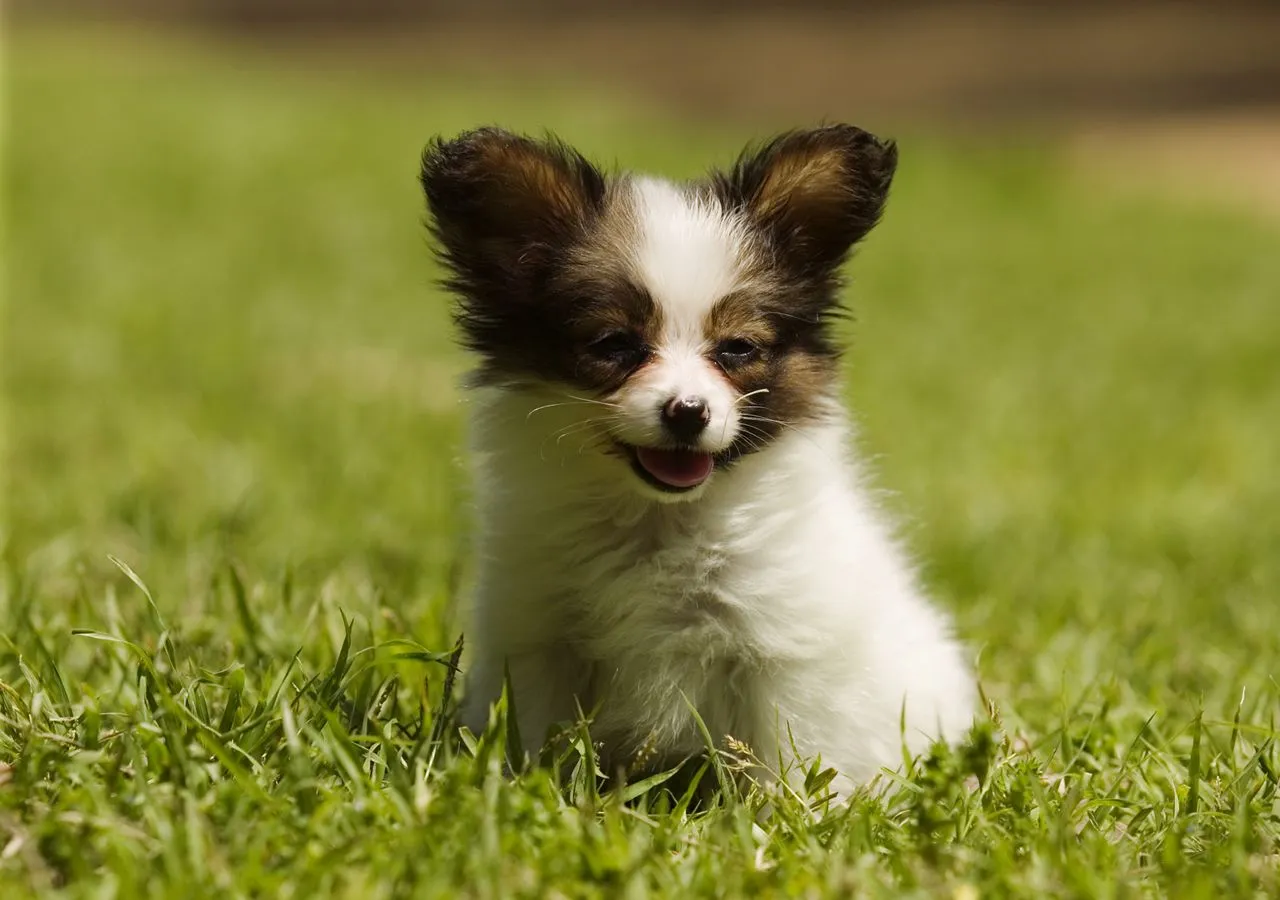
(672, 532)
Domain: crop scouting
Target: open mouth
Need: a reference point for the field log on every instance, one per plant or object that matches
(676, 470)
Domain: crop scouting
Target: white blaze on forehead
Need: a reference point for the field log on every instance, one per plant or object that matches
(687, 255)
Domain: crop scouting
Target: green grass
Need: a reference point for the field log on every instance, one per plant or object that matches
(226, 368)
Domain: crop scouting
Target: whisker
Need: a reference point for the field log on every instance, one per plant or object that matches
(573, 429)
(537, 409)
(750, 394)
(573, 400)
(725, 428)
(578, 426)
(748, 430)
(766, 420)
(596, 402)
(753, 441)
(561, 433)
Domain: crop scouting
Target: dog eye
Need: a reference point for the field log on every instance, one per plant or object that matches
(619, 348)
(736, 352)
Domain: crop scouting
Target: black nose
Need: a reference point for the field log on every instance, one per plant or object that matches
(686, 417)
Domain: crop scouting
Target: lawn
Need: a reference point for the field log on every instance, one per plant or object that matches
(235, 513)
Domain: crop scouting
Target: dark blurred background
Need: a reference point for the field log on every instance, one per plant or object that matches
(959, 63)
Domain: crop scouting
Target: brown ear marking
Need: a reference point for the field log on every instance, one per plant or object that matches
(502, 191)
(815, 193)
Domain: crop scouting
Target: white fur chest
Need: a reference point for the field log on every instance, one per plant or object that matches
(656, 618)
(654, 583)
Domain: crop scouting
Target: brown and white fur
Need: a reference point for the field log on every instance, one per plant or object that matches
(669, 517)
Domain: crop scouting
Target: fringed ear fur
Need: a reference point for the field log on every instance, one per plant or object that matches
(500, 203)
(815, 193)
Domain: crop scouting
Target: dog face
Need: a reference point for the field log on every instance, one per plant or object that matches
(696, 316)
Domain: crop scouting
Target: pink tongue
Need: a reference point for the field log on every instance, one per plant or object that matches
(678, 468)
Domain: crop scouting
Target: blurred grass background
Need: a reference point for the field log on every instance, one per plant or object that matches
(223, 347)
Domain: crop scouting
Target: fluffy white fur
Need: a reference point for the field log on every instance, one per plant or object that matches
(773, 599)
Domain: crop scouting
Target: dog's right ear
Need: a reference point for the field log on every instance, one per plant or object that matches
(501, 204)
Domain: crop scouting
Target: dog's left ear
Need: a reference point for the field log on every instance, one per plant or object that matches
(815, 193)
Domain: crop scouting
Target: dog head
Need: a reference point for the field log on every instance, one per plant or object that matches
(691, 322)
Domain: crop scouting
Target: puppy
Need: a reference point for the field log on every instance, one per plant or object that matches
(670, 524)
